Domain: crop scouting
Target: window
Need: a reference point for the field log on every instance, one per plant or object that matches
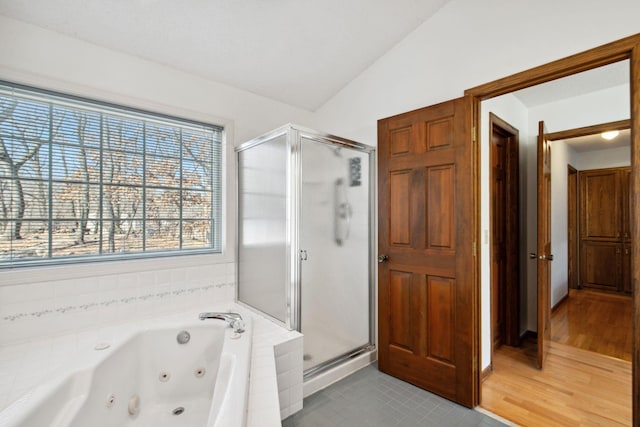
(86, 180)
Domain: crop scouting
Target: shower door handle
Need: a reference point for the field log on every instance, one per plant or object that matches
(382, 258)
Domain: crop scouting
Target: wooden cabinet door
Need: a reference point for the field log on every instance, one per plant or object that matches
(426, 294)
(600, 205)
(605, 233)
(627, 284)
(600, 265)
(625, 196)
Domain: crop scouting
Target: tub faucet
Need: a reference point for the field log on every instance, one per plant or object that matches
(234, 320)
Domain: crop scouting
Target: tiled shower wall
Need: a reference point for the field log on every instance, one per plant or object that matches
(50, 307)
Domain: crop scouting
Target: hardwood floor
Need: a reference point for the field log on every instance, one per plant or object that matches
(576, 387)
(587, 376)
(594, 321)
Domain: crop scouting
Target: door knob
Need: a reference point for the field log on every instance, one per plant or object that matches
(382, 258)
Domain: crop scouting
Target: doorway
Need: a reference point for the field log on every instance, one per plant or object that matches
(595, 314)
(544, 74)
(505, 231)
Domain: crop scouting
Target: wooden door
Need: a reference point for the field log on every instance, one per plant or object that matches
(426, 295)
(600, 205)
(604, 228)
(627, 284)
(498, 214)
(544, 243)
(572, 227)
(601, 265)
(504, 213)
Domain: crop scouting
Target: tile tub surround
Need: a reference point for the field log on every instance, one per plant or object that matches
(47, 308)
(25, 365)
(276, 373)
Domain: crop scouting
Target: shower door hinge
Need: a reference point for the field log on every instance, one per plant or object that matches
(303, 255)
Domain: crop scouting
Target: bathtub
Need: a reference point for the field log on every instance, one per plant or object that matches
(148, 379)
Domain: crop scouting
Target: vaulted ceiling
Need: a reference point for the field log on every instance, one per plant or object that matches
(301, 52)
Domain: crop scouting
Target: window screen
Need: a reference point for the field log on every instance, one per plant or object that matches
(84, 180)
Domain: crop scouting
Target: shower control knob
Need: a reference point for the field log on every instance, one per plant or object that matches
(383, 258)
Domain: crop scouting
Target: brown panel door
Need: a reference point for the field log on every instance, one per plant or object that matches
(627, 284)
(572, 227)
(601, 265)
(426, 293)
(600, 205)
(604, 228)
(625, 195)
(498, 214)
(544, 243)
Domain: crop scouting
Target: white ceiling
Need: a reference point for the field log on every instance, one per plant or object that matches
(301, 52)
(601, 78)
(596, 142)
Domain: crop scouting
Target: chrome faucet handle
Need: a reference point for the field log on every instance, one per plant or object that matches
(238, 326)
(234, 320)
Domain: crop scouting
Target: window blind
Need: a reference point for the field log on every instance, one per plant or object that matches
(81, 179)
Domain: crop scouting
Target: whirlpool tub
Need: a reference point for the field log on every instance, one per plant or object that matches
(174, 374)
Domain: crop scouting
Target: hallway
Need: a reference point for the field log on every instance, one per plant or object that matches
(594, 321)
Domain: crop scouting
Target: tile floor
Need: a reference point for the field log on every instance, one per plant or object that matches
(371, 398)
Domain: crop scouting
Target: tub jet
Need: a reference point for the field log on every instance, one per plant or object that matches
(183, 337)
(178, 411)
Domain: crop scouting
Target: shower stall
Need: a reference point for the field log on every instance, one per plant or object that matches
(305, 239)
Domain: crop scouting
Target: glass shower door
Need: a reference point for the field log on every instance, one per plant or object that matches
(263, 249)
(335, 251)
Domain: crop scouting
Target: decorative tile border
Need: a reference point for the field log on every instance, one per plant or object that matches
(153, 296)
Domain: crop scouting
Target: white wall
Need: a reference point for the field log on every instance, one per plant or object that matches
(612, 158)
(561, 156)
(48, 300)
(32, 55)
(594, 108)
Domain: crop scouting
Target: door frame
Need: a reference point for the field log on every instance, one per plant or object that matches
(626, 48)
(512, 182)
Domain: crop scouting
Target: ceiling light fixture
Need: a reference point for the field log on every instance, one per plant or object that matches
(609, 135)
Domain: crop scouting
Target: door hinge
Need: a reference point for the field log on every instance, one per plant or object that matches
(473, 134)
(474, 248)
